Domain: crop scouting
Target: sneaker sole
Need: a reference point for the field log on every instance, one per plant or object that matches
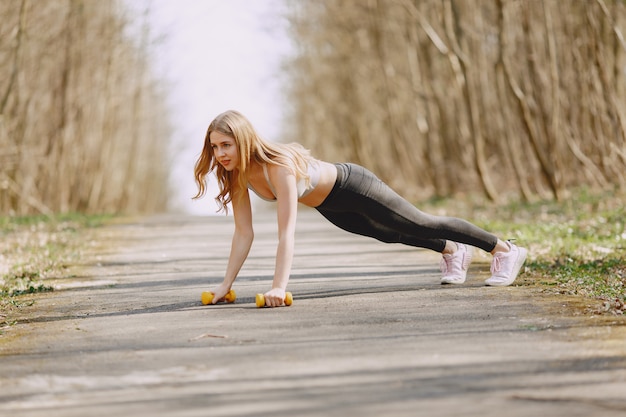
(445, 281)
(521, 258)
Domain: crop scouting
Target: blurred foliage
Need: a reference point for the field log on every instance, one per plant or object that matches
(83, 120)
(514, 99)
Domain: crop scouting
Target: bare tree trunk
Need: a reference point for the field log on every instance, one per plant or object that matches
(65, 117)
(522, 96)
(474, 133)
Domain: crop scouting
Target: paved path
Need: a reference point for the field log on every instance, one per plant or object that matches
(371, 333)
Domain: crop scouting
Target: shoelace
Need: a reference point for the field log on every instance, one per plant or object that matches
(496, 264)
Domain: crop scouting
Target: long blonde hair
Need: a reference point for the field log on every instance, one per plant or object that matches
(250, 146)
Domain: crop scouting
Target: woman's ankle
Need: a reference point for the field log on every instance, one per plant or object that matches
(501, 246)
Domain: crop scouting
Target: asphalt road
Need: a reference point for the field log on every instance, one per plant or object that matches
(371, 333)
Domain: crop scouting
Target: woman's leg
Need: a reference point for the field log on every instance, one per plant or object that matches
(363, 204)
(362, 225)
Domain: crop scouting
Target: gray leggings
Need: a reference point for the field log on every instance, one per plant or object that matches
(361, 203)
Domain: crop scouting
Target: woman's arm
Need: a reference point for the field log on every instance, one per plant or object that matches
(241, 243)
(284, 182)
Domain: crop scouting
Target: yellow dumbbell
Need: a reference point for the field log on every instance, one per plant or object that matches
(260, 300)
(207, 297)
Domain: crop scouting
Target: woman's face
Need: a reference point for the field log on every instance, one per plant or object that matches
(225, 150)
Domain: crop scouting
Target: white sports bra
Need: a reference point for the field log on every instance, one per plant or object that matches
(313, 170)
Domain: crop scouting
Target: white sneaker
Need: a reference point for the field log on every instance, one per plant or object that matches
(454, 266)
(506, 265)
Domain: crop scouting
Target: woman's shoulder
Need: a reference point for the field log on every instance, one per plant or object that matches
(279, 168)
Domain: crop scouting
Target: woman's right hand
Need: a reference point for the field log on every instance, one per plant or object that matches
(219, 293)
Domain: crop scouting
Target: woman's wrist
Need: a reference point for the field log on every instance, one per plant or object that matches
(227, 283)
(280, 284)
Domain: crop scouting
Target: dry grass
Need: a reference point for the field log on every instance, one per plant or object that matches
(577, 247)
(34, 249)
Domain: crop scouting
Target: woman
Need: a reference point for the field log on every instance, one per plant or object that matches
(348, 195)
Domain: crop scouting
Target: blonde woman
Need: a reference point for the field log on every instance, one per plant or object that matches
(348, 195)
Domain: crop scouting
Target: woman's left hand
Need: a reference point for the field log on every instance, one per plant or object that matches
(274, 297)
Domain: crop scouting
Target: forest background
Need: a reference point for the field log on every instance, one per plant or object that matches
(500, 100)
(506, 99)
(522, 99)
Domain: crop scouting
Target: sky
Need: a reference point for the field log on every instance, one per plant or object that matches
(216, 55)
